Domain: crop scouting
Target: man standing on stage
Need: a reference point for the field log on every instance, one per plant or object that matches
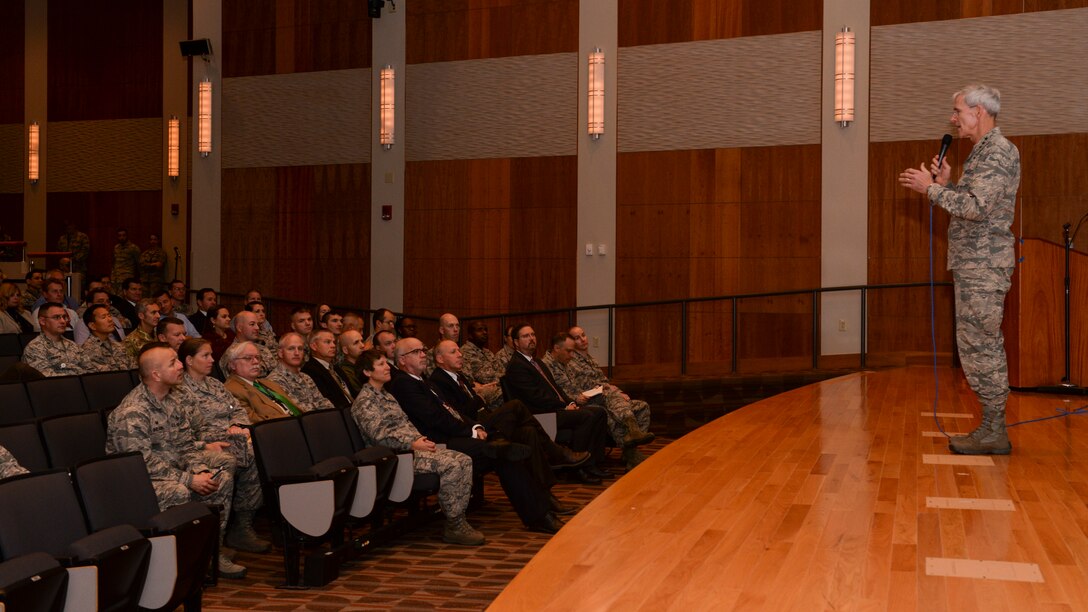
(980, 254)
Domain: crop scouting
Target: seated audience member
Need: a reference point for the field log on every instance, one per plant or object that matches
(482, 367)
(125, 303)
(167, 309)
(53, 291)
(333, 321)
(385, 342)
(383, 320)
(352, 321)
(101, 353)
(9, 466)
(255, 296)
(627, 422)
(320, 310)
(33, 291)
(441, 423)
(382, 422)
(265, 335)
(153, 420)
(320, 369)
(206, 301)
(218, 331)
(219, 420)
(532, 383)
(246, 328)
(449, 328)
(147, 314)
(302, 323)
(351, 347)
(405, 327)
(180, 294)
(98, 295)
(297, 385)
(56, 275)
(50, 352)
(507, 351)
(261, 398)
(511, 421)
(171, 332)
(14, 319)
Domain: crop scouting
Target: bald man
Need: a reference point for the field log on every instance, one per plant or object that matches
(351, 345)
(247, 328)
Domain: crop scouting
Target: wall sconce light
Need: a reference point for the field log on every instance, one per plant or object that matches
(596, 94)
(388, 107)
(33, 140)
(204, 119)
(844, 77)
(173, 138)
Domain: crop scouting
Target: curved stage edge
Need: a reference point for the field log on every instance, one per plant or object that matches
(838, 495)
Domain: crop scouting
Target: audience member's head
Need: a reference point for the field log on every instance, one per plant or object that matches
(170, 331)
(302, 320)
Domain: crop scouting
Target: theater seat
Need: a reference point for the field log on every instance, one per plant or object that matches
(327, 437)
(34, 582)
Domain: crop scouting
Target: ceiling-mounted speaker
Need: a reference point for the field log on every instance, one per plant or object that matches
(195, 48)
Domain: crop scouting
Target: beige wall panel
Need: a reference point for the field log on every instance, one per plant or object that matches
(1038, 60)
(12, 160)
(114, 155)
(738, 92)
(298, 119)
(523, 106)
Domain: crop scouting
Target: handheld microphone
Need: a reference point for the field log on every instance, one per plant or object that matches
(946, 141)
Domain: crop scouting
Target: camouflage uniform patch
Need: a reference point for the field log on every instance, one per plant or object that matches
(54, 358)
(105, 355)
(9, 466)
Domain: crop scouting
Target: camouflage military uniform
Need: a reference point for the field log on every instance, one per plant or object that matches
(134, 341)
(30, 296)
(154, 277)
(80, 246)
(588, 373)
(8, 465)
(269, 361)
(573, 381)
(301, 389)
(981, 257)
(126, 262)
(105, 355)
(484, 367)
(60, 358)
(382, 422)
(267, 338)
(164, 434)
(212, 411)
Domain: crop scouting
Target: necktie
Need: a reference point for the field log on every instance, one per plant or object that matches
(340, 381)
(453, 413)
(288, 406)
(546, 379)
(464, 387)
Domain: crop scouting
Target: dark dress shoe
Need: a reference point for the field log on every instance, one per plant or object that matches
(584, 477)
(546, 524)
(505, 450)
(558, 508)
(593, 470)
(570, 458)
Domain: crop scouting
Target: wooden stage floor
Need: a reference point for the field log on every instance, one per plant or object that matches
(841, 495)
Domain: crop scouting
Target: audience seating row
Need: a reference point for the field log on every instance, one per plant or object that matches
(46, 397)
(12, 345)
(102, 524)
(55, 442)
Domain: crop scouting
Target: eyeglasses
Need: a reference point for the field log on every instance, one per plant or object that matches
(418, 350)
(248, 358)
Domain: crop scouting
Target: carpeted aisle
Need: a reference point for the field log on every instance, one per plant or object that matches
(418, 571)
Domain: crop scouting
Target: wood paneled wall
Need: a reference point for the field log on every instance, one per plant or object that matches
(1054, 184)
(99, 214)
(12, 42)
(888, 13)
(652, 22)
(490, 235)
(11, 215)
(717, 222)
(444, 30)
(294, 36)
(105, 63)
(298, 233)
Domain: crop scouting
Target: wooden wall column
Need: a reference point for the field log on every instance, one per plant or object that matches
(206, 258)
(175, 90)
(35, 108)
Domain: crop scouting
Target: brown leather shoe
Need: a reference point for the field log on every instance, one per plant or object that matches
(570, 458)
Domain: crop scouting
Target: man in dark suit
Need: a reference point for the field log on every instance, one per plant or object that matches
(131, 293)
(532, 383)
(512, 420)
(441, 423)
(206, 299)
(319, 368)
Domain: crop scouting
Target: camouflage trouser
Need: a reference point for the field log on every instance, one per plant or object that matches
(980, 307)
(454, 471)
(247, 488)
(619, 410)
(172, 493)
